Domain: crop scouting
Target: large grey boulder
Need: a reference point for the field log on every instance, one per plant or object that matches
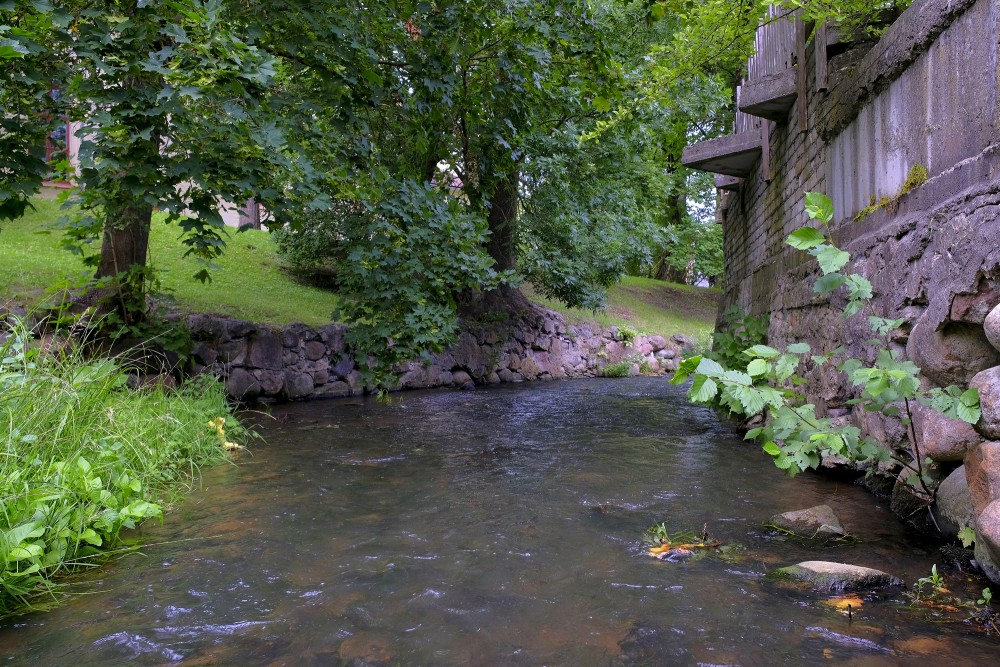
(940, 437)
(951, 355)
(829, 576)
(988, 540)
(988, 384)
(242, 386)
(819, 521)
(982, 471)
(266, 351)
(992, 327)
(954, 504)
(297, 385)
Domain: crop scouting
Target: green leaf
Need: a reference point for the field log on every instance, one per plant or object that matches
(831, 258)
(762, 351)
(24, 552)
(860, 289)
(703, 389)
(710, 367)
(798, 348)
(90, 536)
(805, 238)
(970, 397)
(685, 369)
(819, 207)
(967, 414)
(771, 448)
(84, 465)
(785, 366)
(758, 367)
(828, 283)
(602, 104)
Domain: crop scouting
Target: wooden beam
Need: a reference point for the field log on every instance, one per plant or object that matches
(765, 151)
(801, 81)
(822, 65)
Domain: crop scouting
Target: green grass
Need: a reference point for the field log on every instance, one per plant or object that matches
(649, 306)
(248, 284)
(84, 458)
(251, 284)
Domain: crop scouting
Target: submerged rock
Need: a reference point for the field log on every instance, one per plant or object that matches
(819, 521)
(829, 576)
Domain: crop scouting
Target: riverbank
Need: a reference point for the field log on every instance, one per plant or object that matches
(295, 362)
(251, 284)
(85, 459)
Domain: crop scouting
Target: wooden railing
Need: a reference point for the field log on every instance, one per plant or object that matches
(774, 44)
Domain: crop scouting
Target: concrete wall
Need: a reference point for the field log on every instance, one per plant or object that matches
(942, 109)
(925, 94)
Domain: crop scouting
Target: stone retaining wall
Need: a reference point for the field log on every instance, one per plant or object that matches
(300, 362)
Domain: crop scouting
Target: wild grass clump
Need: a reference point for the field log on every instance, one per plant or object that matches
(84, 458)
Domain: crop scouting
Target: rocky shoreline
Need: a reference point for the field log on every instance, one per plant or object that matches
(298, 362)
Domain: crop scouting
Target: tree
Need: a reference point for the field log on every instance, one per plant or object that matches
(27, 109)
(168, 96)
(453, 106)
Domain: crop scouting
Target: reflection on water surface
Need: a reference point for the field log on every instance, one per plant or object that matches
(495, 527)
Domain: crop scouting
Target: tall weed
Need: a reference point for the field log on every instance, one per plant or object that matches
(83, 458)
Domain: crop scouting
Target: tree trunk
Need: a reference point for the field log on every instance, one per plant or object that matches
(249, 215)
(502, 220)
(502, 247)
(673, 217)
(123, 260)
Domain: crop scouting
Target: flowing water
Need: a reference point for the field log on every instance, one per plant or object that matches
(495, 527)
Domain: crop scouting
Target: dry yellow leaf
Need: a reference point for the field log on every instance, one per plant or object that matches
(842, 602)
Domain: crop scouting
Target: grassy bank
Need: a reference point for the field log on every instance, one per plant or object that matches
(650, 306)
(251, 284)
(84, 458)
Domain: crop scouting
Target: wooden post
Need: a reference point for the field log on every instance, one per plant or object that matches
(822, 69)
(765, 148)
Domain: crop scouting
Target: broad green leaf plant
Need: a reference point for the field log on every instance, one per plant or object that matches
(767, 378)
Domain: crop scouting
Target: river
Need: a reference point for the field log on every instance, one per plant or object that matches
(495, 527)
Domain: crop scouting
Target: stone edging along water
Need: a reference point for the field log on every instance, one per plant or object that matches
(298, 362)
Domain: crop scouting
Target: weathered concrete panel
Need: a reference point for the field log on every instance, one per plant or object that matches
(733, 155)
(940, 110)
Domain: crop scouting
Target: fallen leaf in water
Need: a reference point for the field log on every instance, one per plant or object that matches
(939, 605)
(667, 549)
(842, 602)
(828, 654)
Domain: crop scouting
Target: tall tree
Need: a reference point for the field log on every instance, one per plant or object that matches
(166, 95)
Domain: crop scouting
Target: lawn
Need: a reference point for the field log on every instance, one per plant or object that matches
(251, 284)
(650, 306)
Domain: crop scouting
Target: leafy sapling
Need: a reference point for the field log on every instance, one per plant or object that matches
(765, 379)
